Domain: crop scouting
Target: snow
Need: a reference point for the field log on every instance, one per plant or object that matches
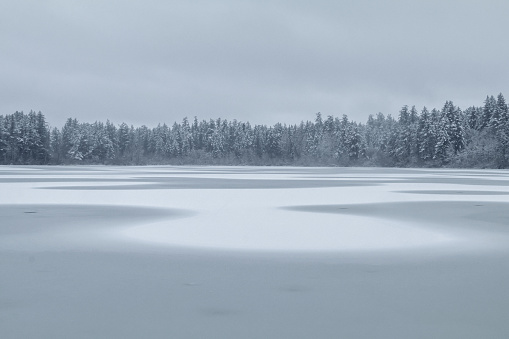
(243, 219)
(254, 220)
(230, 252)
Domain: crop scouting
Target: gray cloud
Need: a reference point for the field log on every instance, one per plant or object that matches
(262, 61)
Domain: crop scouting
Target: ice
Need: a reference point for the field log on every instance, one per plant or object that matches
(231, 212)
(253, 220)
(253, 252)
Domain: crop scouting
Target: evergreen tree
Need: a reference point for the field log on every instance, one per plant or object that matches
(102, 147)
(441, 136)
(185, 138)
(43, 151)
(404, 140)
(489, 109)
(56, 145)
(3, 139)
(123, 139)
(454, 126)
(353, 142)
(473, 116)
(259, 140)
(71, 140)
(342, 139)
(479, 136)
(501, 130)
(426, 139)
(273, 143)
(502, 109)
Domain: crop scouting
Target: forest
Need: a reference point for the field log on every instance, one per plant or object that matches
(476, 137)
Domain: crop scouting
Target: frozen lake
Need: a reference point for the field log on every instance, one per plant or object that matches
(253, 252)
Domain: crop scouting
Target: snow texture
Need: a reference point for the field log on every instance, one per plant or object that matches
(230, 252)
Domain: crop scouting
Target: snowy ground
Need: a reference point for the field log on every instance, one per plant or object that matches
(253, 252)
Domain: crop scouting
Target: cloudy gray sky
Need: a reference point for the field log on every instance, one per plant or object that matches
(145, 62)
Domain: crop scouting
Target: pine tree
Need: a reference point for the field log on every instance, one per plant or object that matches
(185, 137)
(56, 145)
(501, 130)
(123, 139)
(342, 138)
(453, 118)
(426, 140)
(259, 140)
(18, 137)
(145, 139)
(72, 136)
(3, 140)
(102, 148)
(43, 149)
(111, 131)
(489, 109)
(353, 142)
(473, 116)
(217, 140)
(273, 141)
(404, 141)
(502, 109)
(312, 140)
(413, 131)
(441, 136)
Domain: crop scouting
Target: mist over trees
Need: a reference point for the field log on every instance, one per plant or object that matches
(475, 137)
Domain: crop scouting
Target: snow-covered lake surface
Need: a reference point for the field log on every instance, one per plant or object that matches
(253, 252)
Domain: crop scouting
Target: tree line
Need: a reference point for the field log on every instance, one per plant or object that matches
(475, 137)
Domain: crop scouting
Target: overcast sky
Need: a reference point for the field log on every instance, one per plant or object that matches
(145, 62)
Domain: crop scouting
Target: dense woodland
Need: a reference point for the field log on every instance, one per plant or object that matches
(475, 137)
